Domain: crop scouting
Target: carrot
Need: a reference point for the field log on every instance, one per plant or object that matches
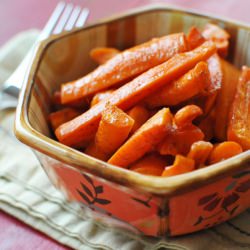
(59, 117)
(200, 152)
(181, 165)
(140, 116)
(225, 98)
(207, 125)
(239, 119)
(194, 38)
(152, 164)
(83, 128)
(223, 151)
(219, 36)
(125, 65)
(100, 96)
(113, 130)
(144, 139)
(103, 54)
(192, 83)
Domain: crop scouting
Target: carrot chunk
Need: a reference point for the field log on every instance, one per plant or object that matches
(83, 127)
(144, 139)
(113, 130)
(194, 38)
(103, 54)
(125, 65)
(223, 151)
(98, 97)
(181, 165)
(239, 120)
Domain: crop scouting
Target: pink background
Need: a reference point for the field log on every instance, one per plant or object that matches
(16, 15)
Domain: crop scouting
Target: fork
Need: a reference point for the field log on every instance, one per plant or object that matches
(64, 18)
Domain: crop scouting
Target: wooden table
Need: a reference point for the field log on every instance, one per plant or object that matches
(18, 15)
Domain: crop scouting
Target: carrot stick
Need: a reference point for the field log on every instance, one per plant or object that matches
(103, 54)
(113, 130)
(194, 38)
(192, 83)
(144, 139)
(152, 164)
(100, 96)
(223, 151)
(200, 152)
(181, 165)
(83, 128)
(59, 117)
(125, 65)
(140, 116)
(239, 119)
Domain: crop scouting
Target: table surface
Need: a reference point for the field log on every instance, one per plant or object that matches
(18, 17)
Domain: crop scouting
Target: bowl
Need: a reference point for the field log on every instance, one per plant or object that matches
(148, 205)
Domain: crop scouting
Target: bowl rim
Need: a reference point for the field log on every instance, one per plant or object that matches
(166, 186)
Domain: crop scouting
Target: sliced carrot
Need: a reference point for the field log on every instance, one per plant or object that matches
(103, 54)
(219, 36)
(140, 116)
(152, 164)
(100, 97)
(225, 99)
(223, 151)
(144, 139)
(113, 130)
(200, 152)
(125, 65)
(181, 165)
(194, 38)
(192, 83)
(239, 119)
(59, 117)
(83, 128)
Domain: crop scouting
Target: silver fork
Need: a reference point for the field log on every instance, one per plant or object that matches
(64, 17)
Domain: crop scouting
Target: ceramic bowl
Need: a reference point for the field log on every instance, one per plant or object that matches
(149, 205)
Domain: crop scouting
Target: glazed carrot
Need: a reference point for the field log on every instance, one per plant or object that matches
(152, 164)
(219, 36)
(103, 54)
(194, 38)
(223, 151)
(59, 117)
(225, 98)
(113, 130)
(125, 65)
(100, 97)
(83, 128)
(140, 116)
(144, 139)
(239, 119)
(192, 83)
(181, 165)
(200, 152)
(186, 115)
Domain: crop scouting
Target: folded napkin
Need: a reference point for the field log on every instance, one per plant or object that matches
(27, 194)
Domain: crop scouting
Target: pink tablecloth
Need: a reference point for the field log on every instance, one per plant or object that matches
(17, 16)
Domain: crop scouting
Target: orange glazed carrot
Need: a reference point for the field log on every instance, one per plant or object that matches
(200, 152)
(100, 97)
(144, 139)
(239, 119)
(152, 164)
(194, 38)
(103, 54)
(192, 83)
(83, 128)
(223, 151)
(59, 117)
(181, 165)
(125, 65)
(225, 98)
(113, 130)
(219, 36)
(140, 116)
